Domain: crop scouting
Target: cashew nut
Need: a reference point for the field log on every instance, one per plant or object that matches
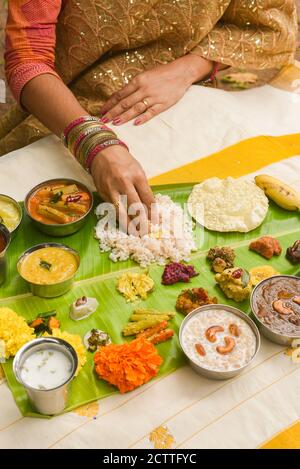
(296, 299)
(200, 349)
(234, 330)
(278, 305)
(210, 333)
(229, 346)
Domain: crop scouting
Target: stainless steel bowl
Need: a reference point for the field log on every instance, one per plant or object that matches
(213, 374)
(3, 254)
(46, 401)
(18, 207)
(54, 289)
(58, 229)
(281, 339)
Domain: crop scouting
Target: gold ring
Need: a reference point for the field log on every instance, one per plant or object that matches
(117, 203)
(146, 103)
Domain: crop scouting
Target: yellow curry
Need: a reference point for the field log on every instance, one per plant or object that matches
(9, 214)
(48, 265)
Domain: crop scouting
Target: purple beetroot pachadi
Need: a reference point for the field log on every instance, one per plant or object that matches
(177, 272)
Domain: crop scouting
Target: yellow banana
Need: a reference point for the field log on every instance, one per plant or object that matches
(282, 194)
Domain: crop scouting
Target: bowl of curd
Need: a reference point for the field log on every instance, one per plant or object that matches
(45, 367)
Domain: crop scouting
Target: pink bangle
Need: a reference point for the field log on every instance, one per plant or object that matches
(101, 147)
(73, 124)
(214, 72)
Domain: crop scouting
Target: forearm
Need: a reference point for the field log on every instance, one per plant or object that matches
(193, 68)
(196, 68)
(51, 101)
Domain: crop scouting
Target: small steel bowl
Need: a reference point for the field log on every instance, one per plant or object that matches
(276, 337)
(3, 254)
(58, 229)
(54, 289)
(46, 401)
(18, 207)
(213, 374)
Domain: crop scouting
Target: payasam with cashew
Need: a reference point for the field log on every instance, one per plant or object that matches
(277, 304)
(219, 340)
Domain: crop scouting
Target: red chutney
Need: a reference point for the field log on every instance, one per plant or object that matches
(59, 203)
(2, 242)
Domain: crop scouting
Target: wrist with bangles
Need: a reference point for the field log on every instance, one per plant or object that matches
(86, 136)
(212, 76)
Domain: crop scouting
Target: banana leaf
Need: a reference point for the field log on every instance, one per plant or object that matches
(97, 278)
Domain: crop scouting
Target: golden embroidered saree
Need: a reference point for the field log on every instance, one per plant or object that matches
(102, 44)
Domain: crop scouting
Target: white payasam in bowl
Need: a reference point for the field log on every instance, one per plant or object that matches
(219, 340)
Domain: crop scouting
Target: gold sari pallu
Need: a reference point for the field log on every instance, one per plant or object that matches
(103, 44)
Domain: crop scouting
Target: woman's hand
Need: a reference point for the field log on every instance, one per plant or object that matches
(155, 90)
(116, 173)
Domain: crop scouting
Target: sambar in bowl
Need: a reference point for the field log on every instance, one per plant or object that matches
(59, 207)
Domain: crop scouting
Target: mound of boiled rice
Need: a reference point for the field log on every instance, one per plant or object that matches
(172, 240)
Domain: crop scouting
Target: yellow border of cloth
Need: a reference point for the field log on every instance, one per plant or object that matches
(285, 439)
(237, 160)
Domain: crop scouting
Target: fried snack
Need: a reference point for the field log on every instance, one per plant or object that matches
(190, 299)
(266, 246)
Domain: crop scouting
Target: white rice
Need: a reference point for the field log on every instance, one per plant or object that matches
(171, 240)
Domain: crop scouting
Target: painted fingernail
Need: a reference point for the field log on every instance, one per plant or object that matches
(104, 120)
(116, 121)
(137, 121)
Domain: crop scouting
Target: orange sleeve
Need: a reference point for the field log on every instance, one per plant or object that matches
(30, 41)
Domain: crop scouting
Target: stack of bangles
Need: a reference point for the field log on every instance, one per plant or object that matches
(86, 136)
